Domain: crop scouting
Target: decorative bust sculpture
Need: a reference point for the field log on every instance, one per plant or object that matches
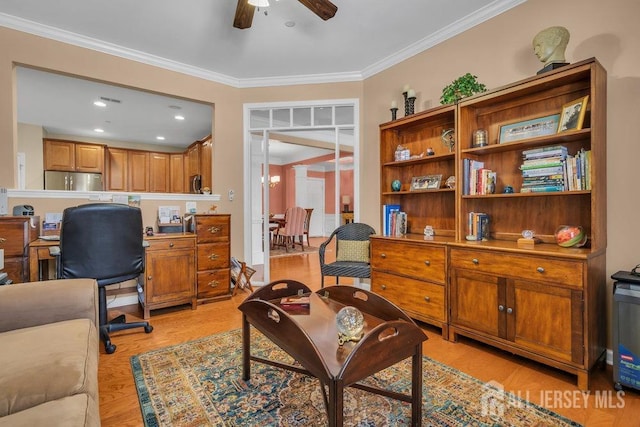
(549, 46)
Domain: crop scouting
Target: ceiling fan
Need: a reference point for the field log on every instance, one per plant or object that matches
(244, 11)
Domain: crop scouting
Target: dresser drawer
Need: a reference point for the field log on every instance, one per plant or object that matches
(172, 243)
(569, 273)
(409, 259)
(211, 228)
(213, 283)
(212, 256)
(414, 296)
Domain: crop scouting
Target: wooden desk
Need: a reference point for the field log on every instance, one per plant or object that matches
(39, 256)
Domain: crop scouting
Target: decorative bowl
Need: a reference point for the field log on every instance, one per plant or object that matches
(396, 185)
(569, 236)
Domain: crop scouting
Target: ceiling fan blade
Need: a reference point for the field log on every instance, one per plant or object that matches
(323, 8)
(244, 15)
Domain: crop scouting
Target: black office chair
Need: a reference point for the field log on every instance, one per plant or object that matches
(103, 241)
(352, 252)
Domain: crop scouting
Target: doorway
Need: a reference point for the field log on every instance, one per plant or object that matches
(297, 154)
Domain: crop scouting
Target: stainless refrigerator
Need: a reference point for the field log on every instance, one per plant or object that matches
(75, 181)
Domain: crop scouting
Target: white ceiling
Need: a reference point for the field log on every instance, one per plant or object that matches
(196, 37)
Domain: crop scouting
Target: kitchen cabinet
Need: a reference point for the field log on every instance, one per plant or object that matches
(16, 232)
(159, 173)
(69, 156)
(169, 277)
(213, 256)
(206, 150)
(117, 169)
(176, 166)
(138, 171)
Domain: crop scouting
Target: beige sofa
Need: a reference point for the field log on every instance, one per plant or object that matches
(49, 354)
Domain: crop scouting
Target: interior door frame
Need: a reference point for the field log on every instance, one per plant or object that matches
(247, 156)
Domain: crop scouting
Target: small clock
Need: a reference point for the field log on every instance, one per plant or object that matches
(528, 234)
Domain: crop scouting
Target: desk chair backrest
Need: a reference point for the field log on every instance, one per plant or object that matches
(102, 241)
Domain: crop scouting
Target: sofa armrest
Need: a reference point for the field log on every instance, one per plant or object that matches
(24, 305)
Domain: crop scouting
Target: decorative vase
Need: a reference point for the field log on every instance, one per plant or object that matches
(569, 236)
(396, 185)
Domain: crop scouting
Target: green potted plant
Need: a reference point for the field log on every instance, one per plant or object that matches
(466, 85)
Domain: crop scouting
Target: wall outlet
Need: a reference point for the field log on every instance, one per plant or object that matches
(231, 195)
(4, 202)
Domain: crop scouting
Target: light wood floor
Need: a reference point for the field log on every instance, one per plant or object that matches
(534, 382)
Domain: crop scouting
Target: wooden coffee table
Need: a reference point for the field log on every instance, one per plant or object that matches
(310, 336)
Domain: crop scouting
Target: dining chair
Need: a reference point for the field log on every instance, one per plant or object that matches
(293, 227)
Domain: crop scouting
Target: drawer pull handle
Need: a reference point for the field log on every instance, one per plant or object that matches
(214, 230)
(383, 255)
(540, 269)
(501, 307)
(383, 287)
(2, 240)
(214, 257)
(214, 283)
(427, 263)
(149, 277)
(171, 244)
(475, 261)
(509, 310)
(427, 299)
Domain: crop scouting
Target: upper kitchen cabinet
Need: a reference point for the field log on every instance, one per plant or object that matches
(73, 157)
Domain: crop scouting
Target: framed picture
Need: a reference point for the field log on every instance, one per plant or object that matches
(427, 182)
(572, 115)
(540, 126)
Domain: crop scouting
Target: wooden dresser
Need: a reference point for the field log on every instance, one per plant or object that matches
(213, 264)
(16, 232)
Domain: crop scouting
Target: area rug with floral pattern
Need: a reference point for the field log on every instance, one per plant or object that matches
(199, 383)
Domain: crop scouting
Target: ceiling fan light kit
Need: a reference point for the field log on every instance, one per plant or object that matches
(246, 8)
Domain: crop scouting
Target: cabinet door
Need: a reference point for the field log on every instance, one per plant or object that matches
(59, 155)
(205, 163)
(177, 173)
(475, 302)
(138, 171)
(545, 319)
(159, 172)
(193, 159)
(117, 169)
(89, 158)
(170, 275)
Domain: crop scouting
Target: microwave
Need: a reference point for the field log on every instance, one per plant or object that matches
(195, 184)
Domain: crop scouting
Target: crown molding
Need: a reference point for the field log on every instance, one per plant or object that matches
(493, 9)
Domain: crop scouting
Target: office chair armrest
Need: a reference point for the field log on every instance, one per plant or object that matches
(37, 303)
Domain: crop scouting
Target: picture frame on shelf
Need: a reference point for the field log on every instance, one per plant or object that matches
(426, 182)
(531, 128)
(572, 115)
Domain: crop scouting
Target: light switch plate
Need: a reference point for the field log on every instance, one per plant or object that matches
(231, 195)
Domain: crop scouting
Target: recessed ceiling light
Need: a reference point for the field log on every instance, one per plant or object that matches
(175, 107)
(290, 24)
(100, 104)
(178, 117)
(98, 130)
(160, 138)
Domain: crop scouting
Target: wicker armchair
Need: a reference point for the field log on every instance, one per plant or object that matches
(352, 252)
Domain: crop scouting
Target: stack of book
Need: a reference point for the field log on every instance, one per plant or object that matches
(477, 226)
(476, 178)
(544, 169)
(394, 221)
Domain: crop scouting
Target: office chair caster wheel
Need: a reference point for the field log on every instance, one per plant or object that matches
(148, 329)
(109, 348)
